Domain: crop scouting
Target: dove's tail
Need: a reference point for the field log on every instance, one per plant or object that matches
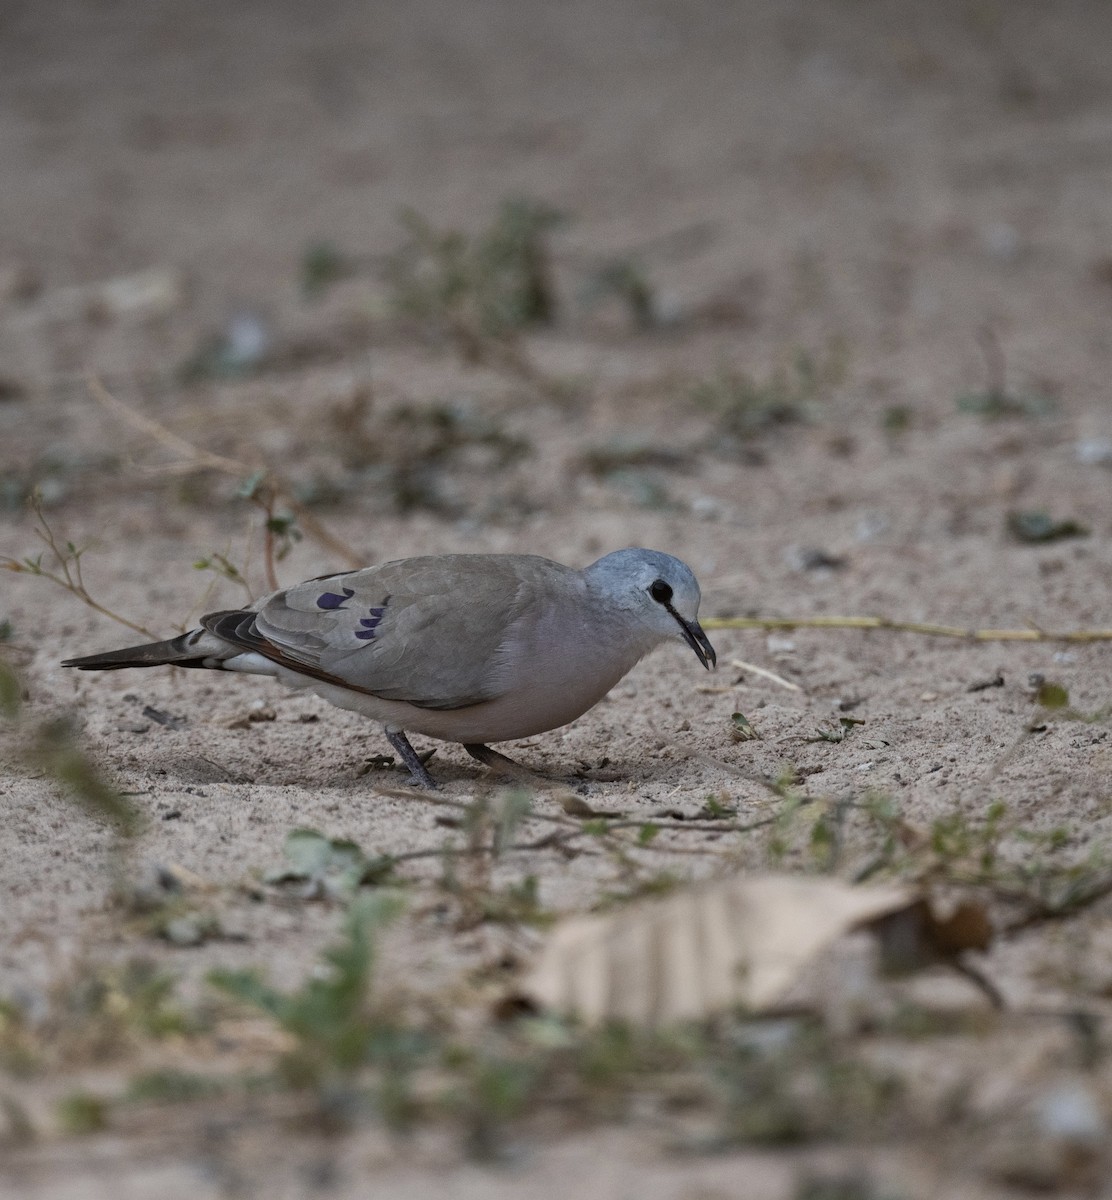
(198, 648)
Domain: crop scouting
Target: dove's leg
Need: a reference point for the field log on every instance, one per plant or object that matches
(421, 777)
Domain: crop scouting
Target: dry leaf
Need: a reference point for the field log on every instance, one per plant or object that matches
(925, 933)
(736, 941)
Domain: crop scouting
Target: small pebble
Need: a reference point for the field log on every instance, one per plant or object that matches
(1094, 452)
(1071, 1112)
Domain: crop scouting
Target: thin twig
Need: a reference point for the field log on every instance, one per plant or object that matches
(577, 826)
(68, 574)
(675, 826)
(200, 459)
(204, 460)
(741, 665)
(1044, 910)
(981, 981)
(925, 628)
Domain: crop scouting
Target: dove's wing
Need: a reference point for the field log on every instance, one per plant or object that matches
(434, 632)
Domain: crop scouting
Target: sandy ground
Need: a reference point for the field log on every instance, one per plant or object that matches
(872, 184)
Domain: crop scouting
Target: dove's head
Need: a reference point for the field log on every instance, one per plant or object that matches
(656, 589)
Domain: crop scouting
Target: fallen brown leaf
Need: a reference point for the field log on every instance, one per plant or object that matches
(735, 941)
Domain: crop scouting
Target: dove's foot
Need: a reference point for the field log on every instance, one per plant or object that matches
(500, 764)
(417, 769)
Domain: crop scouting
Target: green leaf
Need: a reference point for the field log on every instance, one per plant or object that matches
(322, 265)
(1035, 526)
(337, 864)
(250, 987)
(81, 1112)
(1052, 695)
(311, 853)
(716, 810)
(741, 729)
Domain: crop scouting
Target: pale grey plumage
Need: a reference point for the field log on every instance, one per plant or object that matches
(466, 648)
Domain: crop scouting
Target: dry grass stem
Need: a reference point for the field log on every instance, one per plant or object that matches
(927, 629)
(741, 665)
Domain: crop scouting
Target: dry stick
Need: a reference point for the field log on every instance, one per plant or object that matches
(205, 460)
(549, 841)
(1045, 911)
(575, 824)
(741, 665)
(572, 829)
(922, 627)
(266, 502)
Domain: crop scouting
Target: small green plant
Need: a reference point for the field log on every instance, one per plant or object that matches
(19, 1047)
(60, 563)
(718, 808)
(745, 407)
(1049, 694)
(82, 1112)
(799, 1086)
(490, 824)
(742, 729)
(412, 453)
(335, 1025)
(490, 1091)
(896, 419)
(110, 1007)
(624, 453)
(322, 265)
(171, 1085)
(1035, 526)
(332, 868)
(852, 1185)
(996, 401)
(221, 565)
(96, 1014)
(480, 291)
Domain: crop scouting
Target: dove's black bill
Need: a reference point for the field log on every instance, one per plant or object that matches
(694, 636)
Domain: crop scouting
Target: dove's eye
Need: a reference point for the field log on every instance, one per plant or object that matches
(660, 591)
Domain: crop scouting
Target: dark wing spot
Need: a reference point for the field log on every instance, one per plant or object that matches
(331, 600)
(372, 621)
